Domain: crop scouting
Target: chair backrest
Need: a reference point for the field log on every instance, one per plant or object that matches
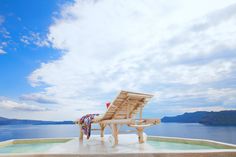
(126, 105)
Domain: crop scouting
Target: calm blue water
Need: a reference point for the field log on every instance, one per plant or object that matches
(193, 130)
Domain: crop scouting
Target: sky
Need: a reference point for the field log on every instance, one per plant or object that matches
(62, 59)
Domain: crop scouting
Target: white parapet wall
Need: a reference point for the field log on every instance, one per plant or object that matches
(128, 147)
(212, 143)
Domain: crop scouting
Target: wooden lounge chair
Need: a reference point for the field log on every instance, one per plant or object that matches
(122, 111)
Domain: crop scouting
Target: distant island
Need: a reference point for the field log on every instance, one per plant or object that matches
(221, 118)
(6, 121)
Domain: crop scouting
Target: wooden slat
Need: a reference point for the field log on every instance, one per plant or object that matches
(125, 101)
(135, 108)
(117, 121)
(120, 105)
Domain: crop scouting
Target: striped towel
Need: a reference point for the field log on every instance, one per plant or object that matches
(86, 122)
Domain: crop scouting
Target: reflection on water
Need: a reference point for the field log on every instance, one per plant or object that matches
(191, 130)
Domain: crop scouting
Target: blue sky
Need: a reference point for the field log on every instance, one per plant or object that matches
(21, 59)
(62, 59)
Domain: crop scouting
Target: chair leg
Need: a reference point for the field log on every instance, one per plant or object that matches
(140, 134)
(102, 126)
(81, 134)
(115, 133)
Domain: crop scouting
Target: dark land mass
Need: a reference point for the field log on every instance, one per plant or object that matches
(221, 118)
(6, 121)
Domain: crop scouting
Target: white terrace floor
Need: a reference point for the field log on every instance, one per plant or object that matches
(128, 143)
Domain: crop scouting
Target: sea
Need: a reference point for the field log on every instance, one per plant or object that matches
(186, 130)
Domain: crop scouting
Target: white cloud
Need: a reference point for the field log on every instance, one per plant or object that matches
(36, 39)
(2, 46)
(136, 45)
(197, 74)
(25, 40)
(19, 106)
(214, 108)
(4, 36)
(224, 96)
(2, 19)
(2, 51)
